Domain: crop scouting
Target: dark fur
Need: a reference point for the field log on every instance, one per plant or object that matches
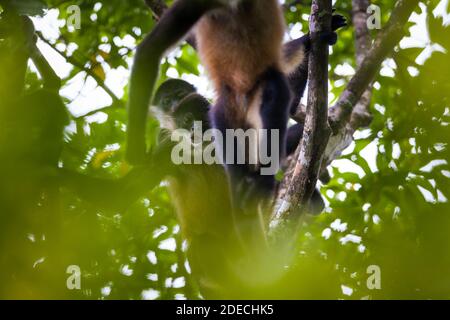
(241, 48)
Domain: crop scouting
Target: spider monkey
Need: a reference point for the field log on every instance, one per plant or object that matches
(240, 43)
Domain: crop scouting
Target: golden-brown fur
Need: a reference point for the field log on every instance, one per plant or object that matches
(237, 44)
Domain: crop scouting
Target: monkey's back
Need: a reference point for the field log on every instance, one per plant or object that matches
(237, 45)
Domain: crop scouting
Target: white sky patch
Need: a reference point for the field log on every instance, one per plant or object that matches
(152, 276)
(346, 290)
(49, 24)
(159, 231)
(180, 296)
(150, 294)
(396, 151)
(419, 34)
(345, 165)
(85, 96)
(179, 282)
(388, 68)
(413, 71)
(338, 226)
(201, 82)
(187, 266)
(172, 73)
(441, 197)
(427, 195)
(350, 238)
(376, 219)
(168, 244)
(433, 164)
(362, 134)
(295, 31)
(344, 70)
(326, 233)
(445, 173)
(106, 291)
(151, 256)
(369, 153)
(126, 271)
(99, 117)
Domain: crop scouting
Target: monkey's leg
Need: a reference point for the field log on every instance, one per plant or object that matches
(246, 217)
(255, 183)
(274, 112)
(220, 121)
(172, 27)
(293, 138)
(297, 72)
(298, 68)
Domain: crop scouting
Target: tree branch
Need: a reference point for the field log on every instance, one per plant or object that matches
(340, 115)
(119, 194)
(51, 80)
(316, 132)
(361, 116)
(343, 117)
(158, 8)
(80, 66)
(384, 44)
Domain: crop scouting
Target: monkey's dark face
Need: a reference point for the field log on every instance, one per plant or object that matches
(193, 108)
(170, 93)
(179, 106)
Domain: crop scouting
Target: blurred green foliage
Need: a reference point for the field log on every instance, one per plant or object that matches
(393, 212)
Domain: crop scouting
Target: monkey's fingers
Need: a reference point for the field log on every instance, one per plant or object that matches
(338, 21)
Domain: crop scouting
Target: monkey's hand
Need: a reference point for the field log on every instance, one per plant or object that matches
(338, 21)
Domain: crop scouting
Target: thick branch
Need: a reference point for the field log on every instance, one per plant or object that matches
(317, 131)
(361, 116)
(382, 47)
(119, 194)
(339, 115)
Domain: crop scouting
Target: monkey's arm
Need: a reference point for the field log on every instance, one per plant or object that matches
(296, 59)
(172, 27)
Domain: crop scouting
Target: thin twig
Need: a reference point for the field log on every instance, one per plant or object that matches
(80, 66)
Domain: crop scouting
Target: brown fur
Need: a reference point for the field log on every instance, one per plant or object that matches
(237, 44)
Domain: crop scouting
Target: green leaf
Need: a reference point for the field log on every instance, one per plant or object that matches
(27, 7)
